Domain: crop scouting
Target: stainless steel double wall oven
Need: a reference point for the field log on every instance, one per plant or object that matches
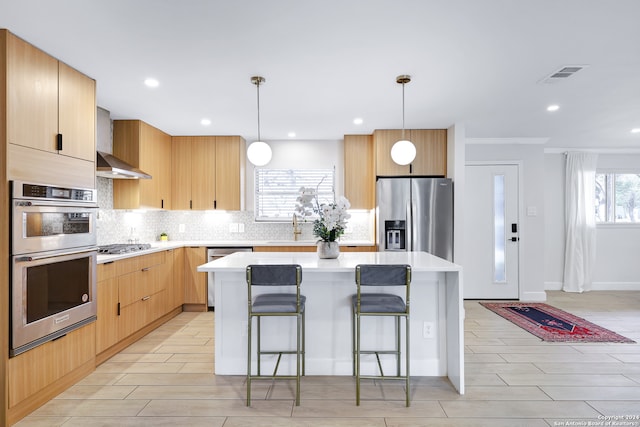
(53, 257)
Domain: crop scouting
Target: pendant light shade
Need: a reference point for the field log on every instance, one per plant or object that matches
(259, 152)
(403, 152)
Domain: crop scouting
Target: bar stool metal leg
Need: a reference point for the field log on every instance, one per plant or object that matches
(249, 361)
(382, 304)
(275, 304)
(357, 359)
(406, 353)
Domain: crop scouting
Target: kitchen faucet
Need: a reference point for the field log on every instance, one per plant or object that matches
(296, 229)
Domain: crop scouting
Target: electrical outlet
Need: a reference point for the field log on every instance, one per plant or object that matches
(181, 228)
(241, 228)
(427, 330)
(233, 227)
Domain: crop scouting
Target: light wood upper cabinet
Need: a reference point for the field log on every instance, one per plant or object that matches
(383, 141)
(46, 98)
(359, 171)
(148, 149)
(203, 173)
(431, 152)
(32, 96)
(181, 147)
(208, 172)
(230, 165)
(77, 113)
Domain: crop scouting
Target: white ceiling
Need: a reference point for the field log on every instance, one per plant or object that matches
(473, 62)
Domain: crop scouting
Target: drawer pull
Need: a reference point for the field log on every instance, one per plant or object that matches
(146, 269)
(146, 298)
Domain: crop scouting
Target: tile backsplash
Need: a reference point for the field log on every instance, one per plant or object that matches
(119, 226)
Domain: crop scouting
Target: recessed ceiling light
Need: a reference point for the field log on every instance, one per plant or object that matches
(205, 122)
(635, 130)
(357, 121)
(291, 134)
(151, 82)
(553, 107)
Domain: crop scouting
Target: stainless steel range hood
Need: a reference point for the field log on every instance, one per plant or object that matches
(109, 166)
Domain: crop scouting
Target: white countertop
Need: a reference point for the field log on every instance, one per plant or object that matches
(346, 262)
(173, 244)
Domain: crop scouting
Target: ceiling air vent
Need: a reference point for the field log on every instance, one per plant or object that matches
(562, 73)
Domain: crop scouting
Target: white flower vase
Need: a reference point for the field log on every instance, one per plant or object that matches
(328, 250)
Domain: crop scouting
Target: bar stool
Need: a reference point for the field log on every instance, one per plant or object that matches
(381, 304)
(275, 304)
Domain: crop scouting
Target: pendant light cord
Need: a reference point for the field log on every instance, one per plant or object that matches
(403, 111)
(258, 90)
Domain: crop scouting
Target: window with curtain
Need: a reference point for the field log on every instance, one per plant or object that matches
(276, 190)
(617, 198)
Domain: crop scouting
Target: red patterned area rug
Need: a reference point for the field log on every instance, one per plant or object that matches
(552, 324)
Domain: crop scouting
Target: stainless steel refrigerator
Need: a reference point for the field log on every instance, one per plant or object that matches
(415, 214)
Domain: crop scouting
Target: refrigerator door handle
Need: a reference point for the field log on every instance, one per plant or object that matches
(410, 226)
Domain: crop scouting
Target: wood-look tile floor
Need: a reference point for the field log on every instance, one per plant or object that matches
(513, 379)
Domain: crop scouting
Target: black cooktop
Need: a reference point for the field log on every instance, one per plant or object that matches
(123, 248)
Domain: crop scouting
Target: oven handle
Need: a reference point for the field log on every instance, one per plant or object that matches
(29, 203)
(29, 258)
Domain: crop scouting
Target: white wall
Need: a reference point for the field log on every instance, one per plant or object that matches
(617, 247)
(300, 155)
(554, 223)
(532, 227)
(456, 141)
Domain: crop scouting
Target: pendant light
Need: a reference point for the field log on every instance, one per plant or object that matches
(259, 152)
(403, 152)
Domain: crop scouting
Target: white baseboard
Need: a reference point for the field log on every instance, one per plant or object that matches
(533, 296)
(598, 286)
(552, 286)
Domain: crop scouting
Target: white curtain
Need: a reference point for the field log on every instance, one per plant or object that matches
(580, 221)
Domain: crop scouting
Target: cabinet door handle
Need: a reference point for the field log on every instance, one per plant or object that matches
(118, 309)
(214, 204)
(146, 298)
(146, 269)
(59, 142)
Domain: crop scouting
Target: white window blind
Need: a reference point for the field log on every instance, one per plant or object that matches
(276, 190)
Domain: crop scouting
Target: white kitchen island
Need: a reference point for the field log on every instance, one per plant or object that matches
(437, 315)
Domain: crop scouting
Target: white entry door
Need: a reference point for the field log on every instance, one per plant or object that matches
(491, 232)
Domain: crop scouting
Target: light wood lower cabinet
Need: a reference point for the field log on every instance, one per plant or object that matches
(37, 369)
(140, 298)
(177, 275)
(133, 294)
(140, 313)
(107, 324)
(195, 283)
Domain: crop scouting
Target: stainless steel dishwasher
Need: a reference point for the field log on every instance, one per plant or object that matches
(212, 255)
